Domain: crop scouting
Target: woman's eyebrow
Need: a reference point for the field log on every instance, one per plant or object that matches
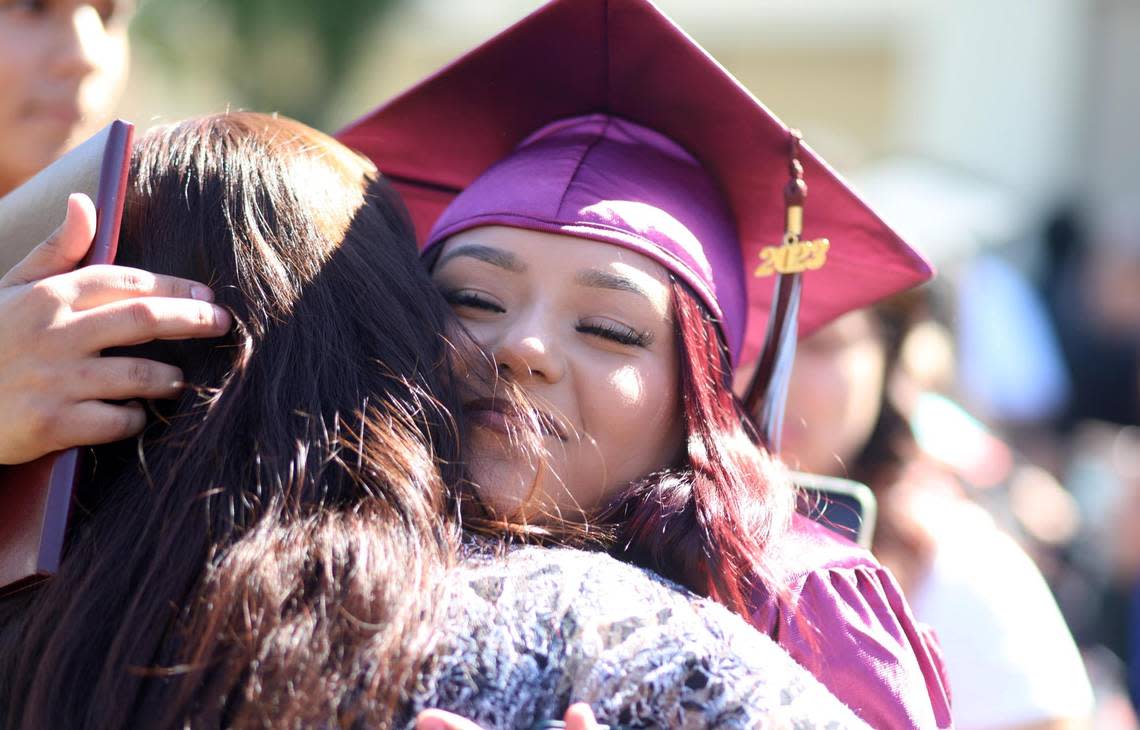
(608, 280)
(488, 254)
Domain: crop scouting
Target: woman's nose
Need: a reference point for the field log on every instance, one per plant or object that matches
(82, 41)
(527, 353)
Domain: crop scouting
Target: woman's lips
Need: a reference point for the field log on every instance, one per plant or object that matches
(490, 419)
(499, 415)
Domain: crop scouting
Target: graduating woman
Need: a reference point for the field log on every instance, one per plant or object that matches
(604, 207)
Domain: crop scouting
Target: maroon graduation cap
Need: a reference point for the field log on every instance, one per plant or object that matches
(804, 260)
(35, 498)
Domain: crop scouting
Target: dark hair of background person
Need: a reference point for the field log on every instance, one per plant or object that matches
(268, 552)
(707, 523)
(891, 446)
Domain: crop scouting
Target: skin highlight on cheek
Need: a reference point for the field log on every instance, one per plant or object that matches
(628, 386)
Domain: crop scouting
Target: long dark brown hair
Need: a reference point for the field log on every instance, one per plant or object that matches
(268, 552)
(708, 523)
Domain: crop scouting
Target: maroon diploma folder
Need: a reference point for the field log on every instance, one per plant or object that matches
(35, 498)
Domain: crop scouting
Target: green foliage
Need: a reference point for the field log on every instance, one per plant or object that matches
(290, 56)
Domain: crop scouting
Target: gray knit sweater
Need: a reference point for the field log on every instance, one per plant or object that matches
(529, 633)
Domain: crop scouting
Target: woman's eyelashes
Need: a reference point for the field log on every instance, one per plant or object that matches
(473, 300)
(617, 333)
(462, 299)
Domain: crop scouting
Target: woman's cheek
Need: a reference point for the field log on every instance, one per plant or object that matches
(628, 388)
(643, 428)
(503, 477)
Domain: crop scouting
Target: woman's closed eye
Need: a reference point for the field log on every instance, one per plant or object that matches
(615, 332)
(473, 300)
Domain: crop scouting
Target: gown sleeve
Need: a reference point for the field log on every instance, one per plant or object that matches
(845, 620)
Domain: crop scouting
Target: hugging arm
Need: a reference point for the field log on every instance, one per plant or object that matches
(54, 321)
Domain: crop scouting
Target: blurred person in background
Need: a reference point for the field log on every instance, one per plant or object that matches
(1093, 285)
(63, 67)
(1011, 660)
(1112, 297)
(1124, 459)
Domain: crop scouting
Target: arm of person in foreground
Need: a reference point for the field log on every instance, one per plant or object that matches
(54, 321)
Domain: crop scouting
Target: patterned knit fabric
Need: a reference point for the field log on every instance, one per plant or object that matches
(533, 631)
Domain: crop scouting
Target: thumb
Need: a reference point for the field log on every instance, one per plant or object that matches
(579, 716)
(440, 720)
(63, 250)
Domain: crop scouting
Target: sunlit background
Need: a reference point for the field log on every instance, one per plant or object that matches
(1036, 95)
(999, 136)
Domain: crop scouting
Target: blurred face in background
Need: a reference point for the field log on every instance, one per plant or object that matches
(63, 66)
(835, 395)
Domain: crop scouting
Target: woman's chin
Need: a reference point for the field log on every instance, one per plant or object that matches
(505, 484)
(520, 492)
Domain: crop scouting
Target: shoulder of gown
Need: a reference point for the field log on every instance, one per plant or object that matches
(846, 621)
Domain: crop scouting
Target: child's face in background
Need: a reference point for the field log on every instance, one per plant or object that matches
(63, 66)
(586, 328)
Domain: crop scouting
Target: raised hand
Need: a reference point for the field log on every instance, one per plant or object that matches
(54, 321)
